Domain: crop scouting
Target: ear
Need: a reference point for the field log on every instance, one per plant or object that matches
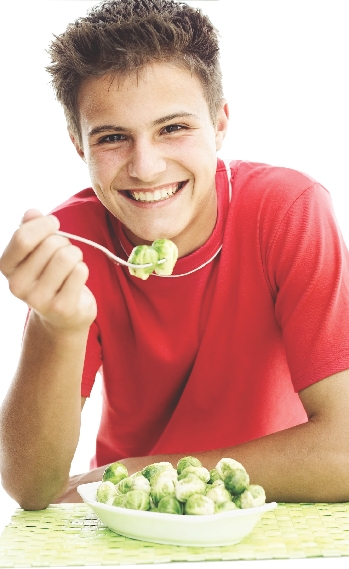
(78, 148)
(222, 121)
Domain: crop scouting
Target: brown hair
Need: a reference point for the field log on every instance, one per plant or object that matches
(122, 36)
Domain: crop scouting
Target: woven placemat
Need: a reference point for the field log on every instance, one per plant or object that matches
(71, 534)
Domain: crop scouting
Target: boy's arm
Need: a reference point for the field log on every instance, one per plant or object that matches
(309, 462)
(40, 416)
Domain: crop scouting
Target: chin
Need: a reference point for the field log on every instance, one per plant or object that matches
(147, 237)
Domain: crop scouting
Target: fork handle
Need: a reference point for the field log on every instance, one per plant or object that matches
(105, 250)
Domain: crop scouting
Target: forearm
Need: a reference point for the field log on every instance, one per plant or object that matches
(304, 463)
(309, 462)
(301, 464)
(40, 417)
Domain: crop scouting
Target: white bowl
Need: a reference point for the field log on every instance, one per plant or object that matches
(225, 528)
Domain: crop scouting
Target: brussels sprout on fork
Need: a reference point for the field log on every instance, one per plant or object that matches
(160, 257)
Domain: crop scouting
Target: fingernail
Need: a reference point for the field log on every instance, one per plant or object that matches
(56, 221)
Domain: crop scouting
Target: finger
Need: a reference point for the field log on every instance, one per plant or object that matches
(74, 296)
(51, 280)
(25, 240)
(32, 267)
(31, 214)
(27, 273)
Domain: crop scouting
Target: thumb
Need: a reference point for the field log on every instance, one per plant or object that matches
(30, 214)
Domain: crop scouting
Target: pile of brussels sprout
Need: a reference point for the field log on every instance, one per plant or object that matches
(189, 489)
(152, 254)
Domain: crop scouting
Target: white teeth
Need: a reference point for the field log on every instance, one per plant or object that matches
(157, 195)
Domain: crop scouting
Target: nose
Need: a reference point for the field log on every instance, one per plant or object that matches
(146, 161)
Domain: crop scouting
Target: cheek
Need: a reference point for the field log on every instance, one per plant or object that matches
(102, 167)
(193, 153)
(203, 158)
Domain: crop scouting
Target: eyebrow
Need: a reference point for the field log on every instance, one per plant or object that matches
(173, 116)
(161, 120)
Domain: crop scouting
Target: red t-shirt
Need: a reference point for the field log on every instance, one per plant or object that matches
(214, 355)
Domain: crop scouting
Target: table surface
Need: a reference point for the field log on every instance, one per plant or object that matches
(71, 534)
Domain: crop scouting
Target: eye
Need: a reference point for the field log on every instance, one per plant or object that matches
(110, 138)
(173, 128)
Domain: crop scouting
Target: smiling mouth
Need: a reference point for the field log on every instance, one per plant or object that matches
(160, 194)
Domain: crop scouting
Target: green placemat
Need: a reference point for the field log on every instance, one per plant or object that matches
(71, 534)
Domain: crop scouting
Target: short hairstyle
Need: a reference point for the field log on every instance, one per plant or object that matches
(122, 36)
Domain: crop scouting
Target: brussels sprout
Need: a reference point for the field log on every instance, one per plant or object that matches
(106, 492)
(224, 507)
(258, 494)
(253, 496)
(134, 482)
(139, 473)
(226, 465)
(170, 505)
(142, 255)
(214, 475)
(141, 483)
(199, 505)
(115, 472)
(187, 461)
(151, 469)
(233, 474)
(119, 500)
(152, 507)
(200, 472)
(236, 481)
(166, 249)
(217, 483)
(189, 485)
(170, 474)
(124, 486)
(219, 494)
(136, 500)
(162, 484)
(244, 500)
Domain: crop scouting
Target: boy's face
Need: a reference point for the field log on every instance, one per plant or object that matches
(150, 146)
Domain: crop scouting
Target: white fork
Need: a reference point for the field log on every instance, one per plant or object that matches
(106, 251)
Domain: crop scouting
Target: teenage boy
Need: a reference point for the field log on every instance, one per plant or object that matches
(244, 350)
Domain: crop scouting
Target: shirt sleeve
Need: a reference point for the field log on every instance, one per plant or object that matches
(308, 271)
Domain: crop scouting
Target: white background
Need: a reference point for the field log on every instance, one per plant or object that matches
(285, 66)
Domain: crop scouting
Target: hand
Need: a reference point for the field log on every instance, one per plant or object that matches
(71, 495)
(133, 464)
(47, 272)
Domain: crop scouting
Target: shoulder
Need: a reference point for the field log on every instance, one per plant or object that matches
(267, 192)
(260, 179)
